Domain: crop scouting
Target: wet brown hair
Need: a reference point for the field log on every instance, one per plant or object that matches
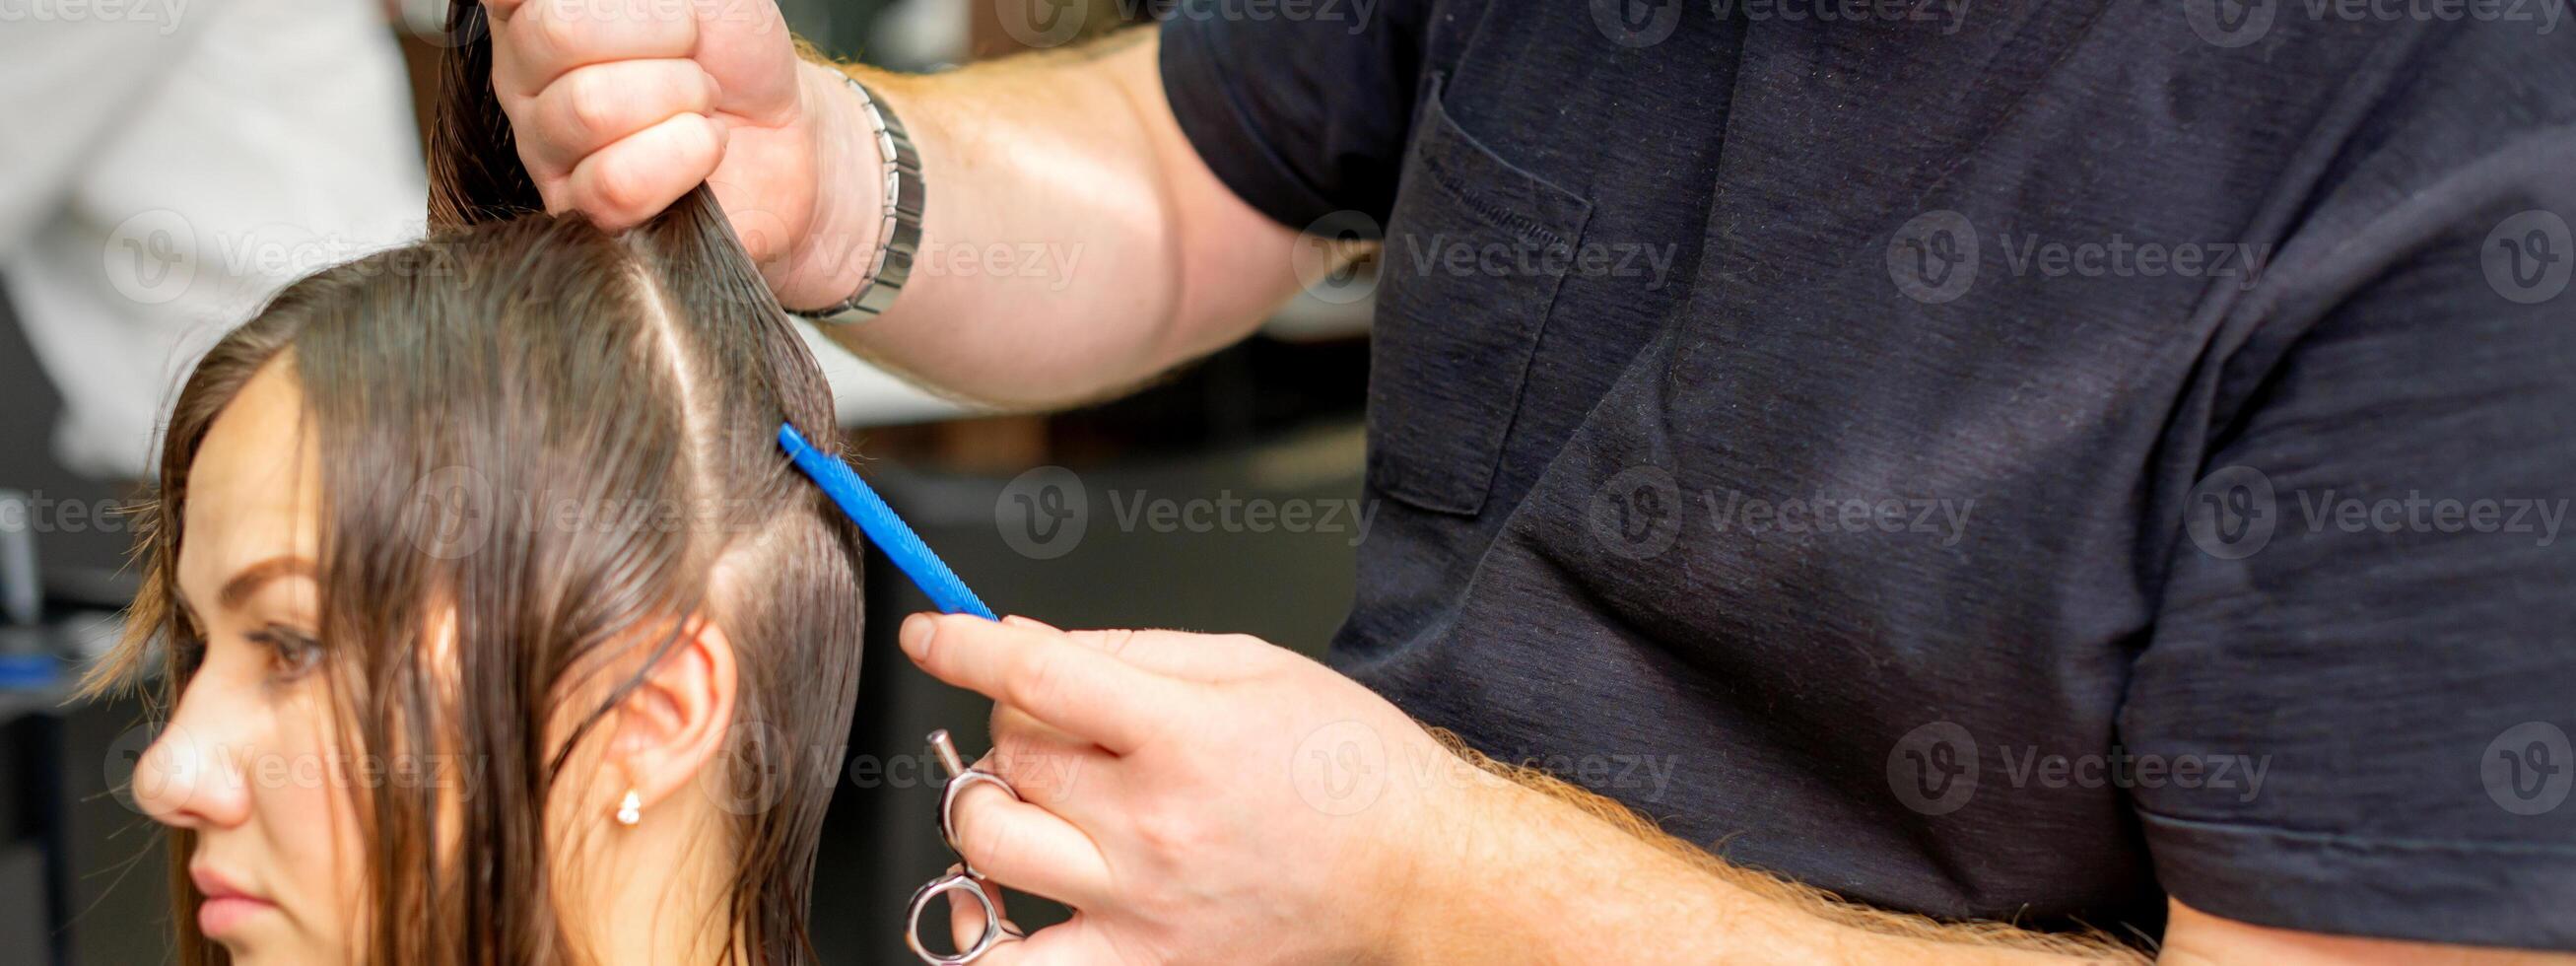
(457, 389)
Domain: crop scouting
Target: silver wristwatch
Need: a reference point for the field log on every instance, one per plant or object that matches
(899, 235)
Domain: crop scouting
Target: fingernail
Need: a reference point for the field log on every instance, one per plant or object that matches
(915, 636)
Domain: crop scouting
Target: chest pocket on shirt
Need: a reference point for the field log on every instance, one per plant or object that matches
(1475, 249)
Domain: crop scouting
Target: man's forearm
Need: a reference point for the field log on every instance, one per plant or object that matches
(1073, 245)
(1544, 872)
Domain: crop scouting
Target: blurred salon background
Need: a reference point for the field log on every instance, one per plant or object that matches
(167, 164)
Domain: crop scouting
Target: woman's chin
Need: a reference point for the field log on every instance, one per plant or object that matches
(249, 929)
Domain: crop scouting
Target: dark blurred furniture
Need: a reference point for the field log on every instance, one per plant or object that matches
(82, 879)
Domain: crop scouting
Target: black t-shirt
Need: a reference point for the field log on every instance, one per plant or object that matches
(2016, 464)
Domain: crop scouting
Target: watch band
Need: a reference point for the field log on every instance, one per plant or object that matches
(899, 234)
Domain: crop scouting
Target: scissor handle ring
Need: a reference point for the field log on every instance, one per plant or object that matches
(948, 805)
(995, 932)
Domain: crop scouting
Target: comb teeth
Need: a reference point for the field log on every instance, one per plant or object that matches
(880, 523)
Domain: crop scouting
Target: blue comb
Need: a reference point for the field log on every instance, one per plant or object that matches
(878, 521)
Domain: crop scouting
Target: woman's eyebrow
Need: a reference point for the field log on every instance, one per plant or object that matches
(250, 579)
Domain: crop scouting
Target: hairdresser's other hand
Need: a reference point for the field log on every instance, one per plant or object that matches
(622, 106)
(1200, 798)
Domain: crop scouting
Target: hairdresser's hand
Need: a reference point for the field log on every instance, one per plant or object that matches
(622, 106)
(1200, 798)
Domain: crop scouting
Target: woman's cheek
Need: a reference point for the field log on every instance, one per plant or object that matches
(316, 827)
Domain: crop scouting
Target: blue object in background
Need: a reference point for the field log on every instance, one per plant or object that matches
(30, 672)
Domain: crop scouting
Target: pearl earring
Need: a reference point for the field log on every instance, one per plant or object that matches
(630, 810)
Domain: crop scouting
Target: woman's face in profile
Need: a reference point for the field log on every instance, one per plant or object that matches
(248, 762)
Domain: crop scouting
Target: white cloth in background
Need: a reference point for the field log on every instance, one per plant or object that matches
(166, 165)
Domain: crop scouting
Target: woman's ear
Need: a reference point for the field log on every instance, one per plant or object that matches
(676, 718)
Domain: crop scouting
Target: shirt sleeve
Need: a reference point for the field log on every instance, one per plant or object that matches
(1301, 117)
(2353, 715)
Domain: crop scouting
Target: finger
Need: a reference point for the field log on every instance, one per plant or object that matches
(623, 184)
(541, 40)
(1028, 848)
(1180, 654)
(1082, 690)
(1070, 942)
(966, 916)
(1044, 763)
(597, 106)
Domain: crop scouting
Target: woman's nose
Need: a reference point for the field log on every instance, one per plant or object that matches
(191, 778)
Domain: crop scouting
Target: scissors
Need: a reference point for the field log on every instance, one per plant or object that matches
(931, 574)
(965, 879)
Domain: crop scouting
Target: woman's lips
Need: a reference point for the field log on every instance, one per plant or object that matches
(227, 906)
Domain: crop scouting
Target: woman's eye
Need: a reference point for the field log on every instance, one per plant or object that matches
(293, 652)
